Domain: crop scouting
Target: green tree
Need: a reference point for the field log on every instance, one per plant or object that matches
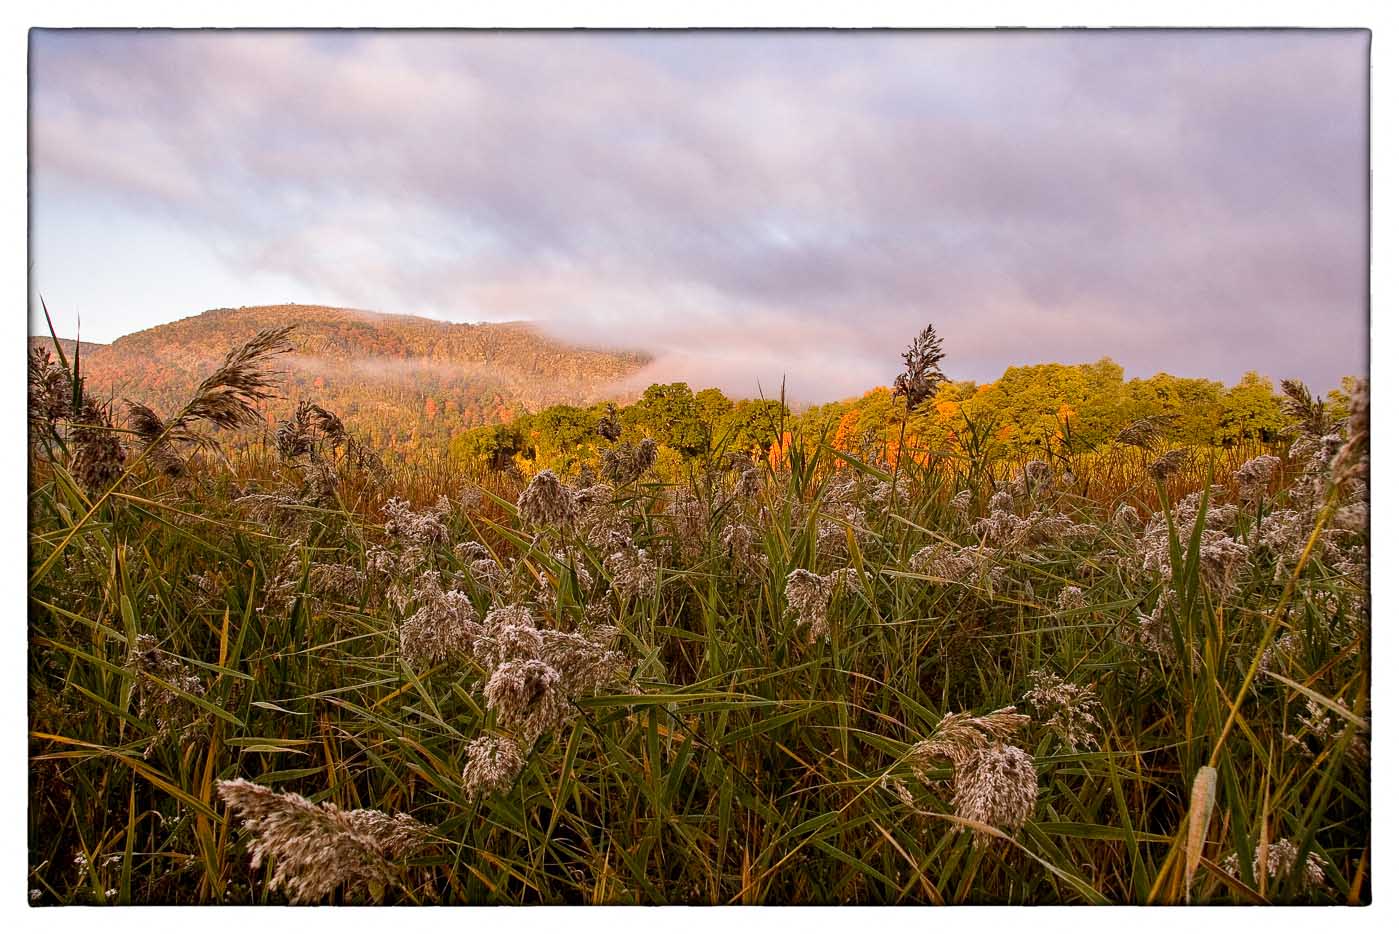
(1251, 411)
(494, 446)
(564, 436)
(668, 413)
(752, 425)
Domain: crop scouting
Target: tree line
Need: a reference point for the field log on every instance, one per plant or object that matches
(1071, 408)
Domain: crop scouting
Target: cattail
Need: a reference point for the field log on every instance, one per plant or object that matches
(547, 502)
(995, 785)
(492, 764)
(1065, 708)
(1167, 464)
(527, 698)
(319, 847)
(1201, 807)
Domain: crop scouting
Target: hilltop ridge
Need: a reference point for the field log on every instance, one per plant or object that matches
(397, 379)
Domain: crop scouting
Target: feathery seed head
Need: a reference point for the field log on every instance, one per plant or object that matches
(922, 369)
(1278, 862)
(547, 502)
(98, 454)
(492, 764)
(1071, 598)
(1144, 432)
(632, 572)
(444, 624)
(1065, 708)
(1168, 464)
(527, 698)
(318, 847)
(995, 785)
(957, 735)
(1253, 475)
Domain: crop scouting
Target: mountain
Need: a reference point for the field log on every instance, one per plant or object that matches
(67, 343)
(398, 381)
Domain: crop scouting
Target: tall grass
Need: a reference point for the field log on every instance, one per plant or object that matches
(735, 760)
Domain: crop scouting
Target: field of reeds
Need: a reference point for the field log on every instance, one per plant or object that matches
(272, 671)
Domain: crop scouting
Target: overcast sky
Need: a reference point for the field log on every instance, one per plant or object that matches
(745, 205)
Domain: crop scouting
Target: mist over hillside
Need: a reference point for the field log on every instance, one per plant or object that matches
(398, 380)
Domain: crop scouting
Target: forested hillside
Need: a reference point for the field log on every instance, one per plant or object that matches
(67, 344)
(403, 383)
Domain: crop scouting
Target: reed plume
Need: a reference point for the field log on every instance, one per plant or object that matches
(318, 848)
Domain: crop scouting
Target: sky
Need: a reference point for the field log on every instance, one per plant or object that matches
(747, 206)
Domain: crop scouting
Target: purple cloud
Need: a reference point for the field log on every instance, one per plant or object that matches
(749, 205)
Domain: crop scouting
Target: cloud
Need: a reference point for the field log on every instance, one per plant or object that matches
(749, 205)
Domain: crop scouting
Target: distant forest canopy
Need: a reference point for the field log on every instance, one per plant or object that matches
(1070, 408)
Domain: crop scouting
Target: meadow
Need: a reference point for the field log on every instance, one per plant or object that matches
(268, 666)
